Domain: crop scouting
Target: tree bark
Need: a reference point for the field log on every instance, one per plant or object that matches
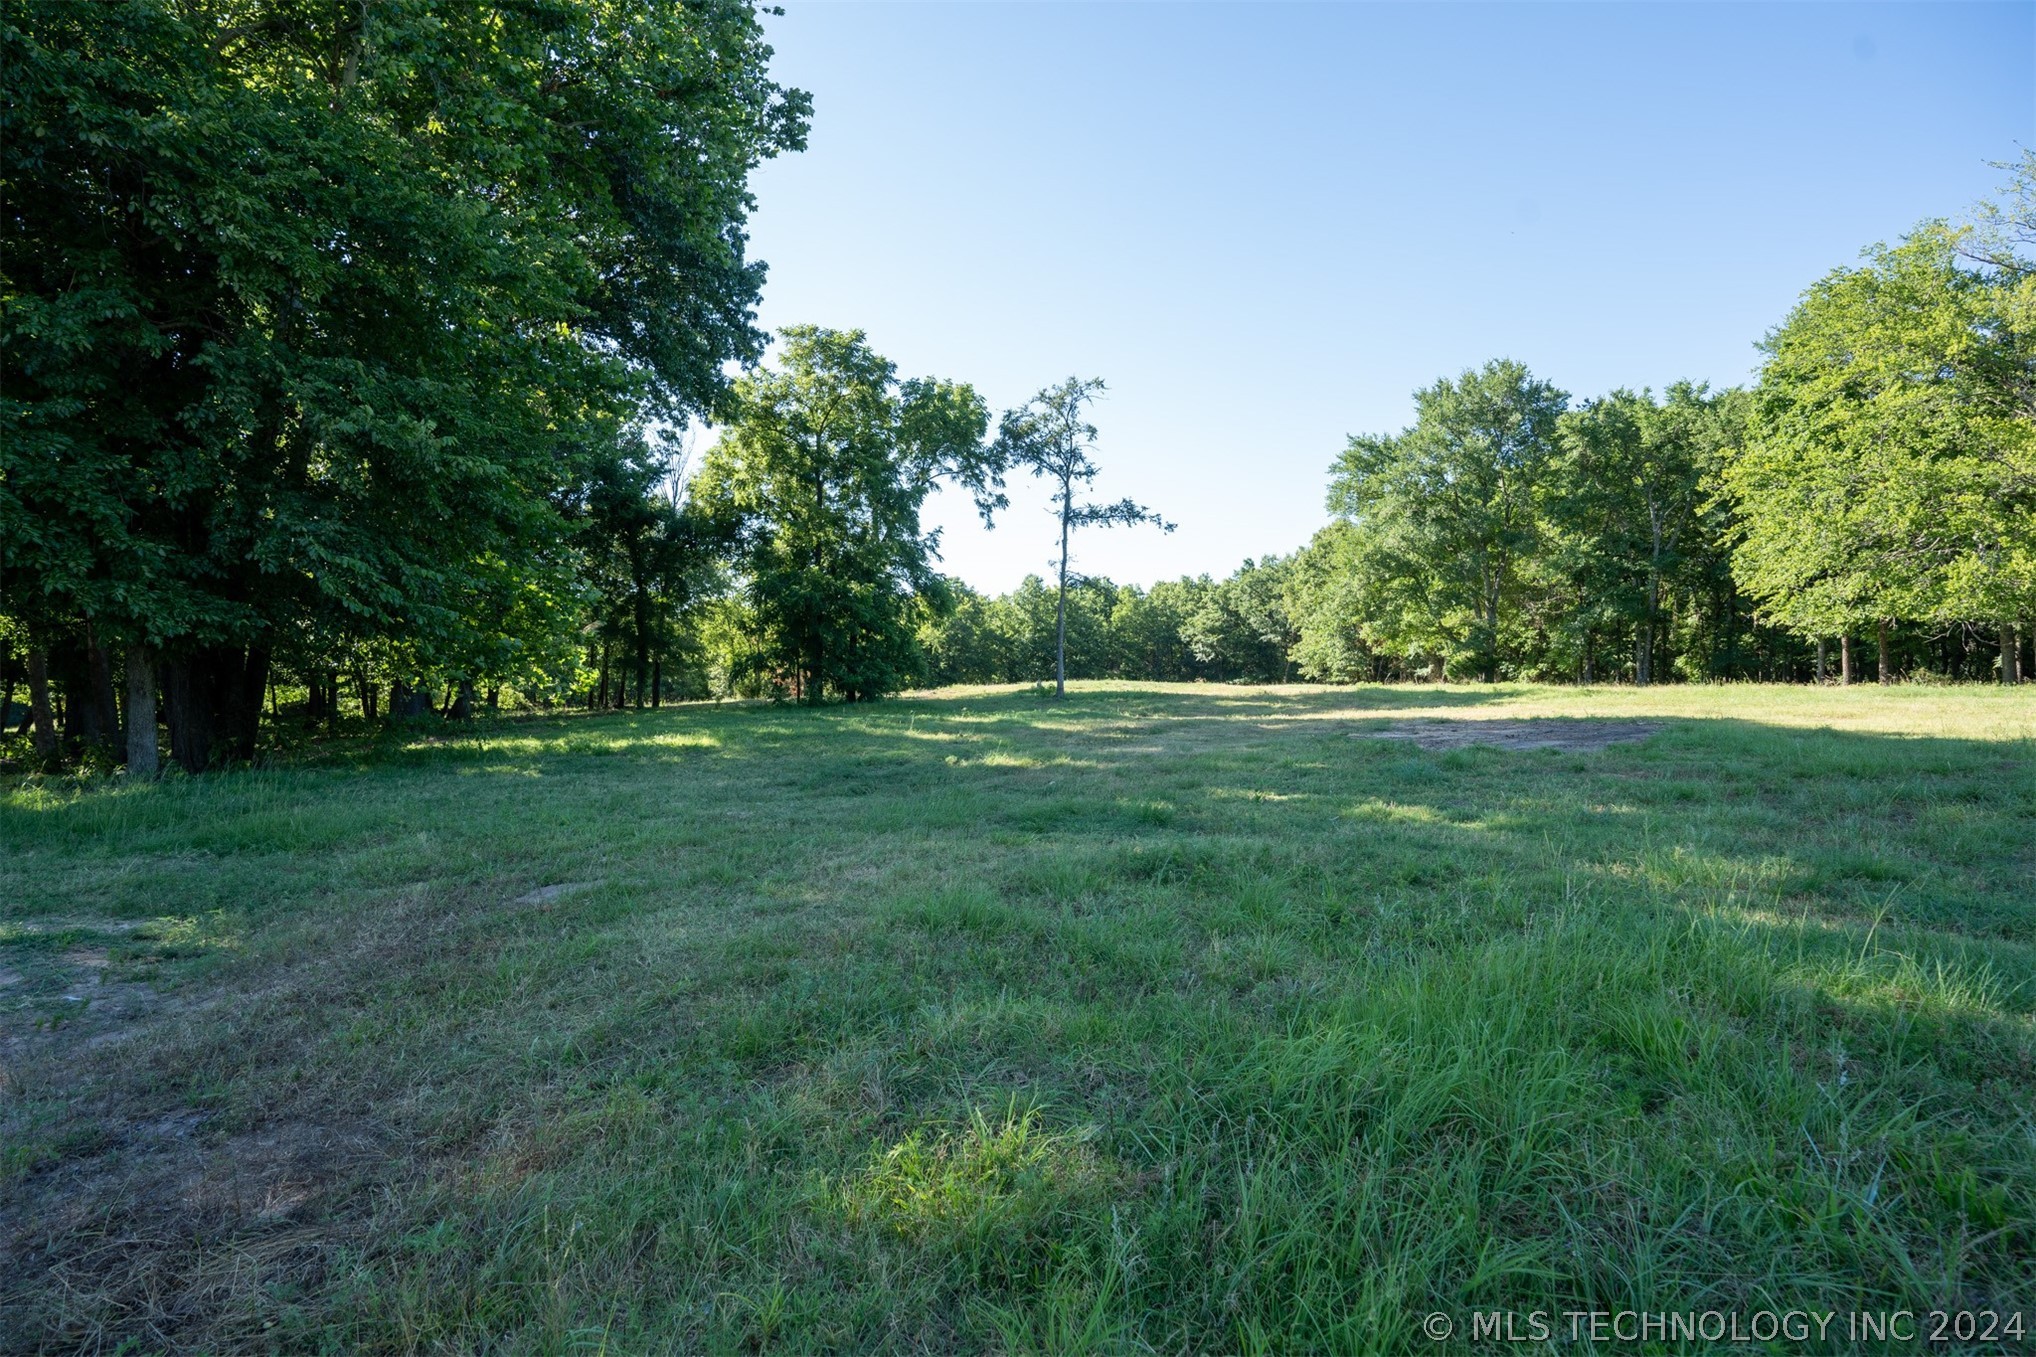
(1845, 660)
(144, 759)
(42, 726)
(189, 714)
(1886, 671)
(101, 709)
(657, 683)
(213, 704)
(1643, 654)
(1492, 633)
(642, 621)
(1437, 672)
(1821, 644)
(1060, 608)
(406, 702)
(461, 705)
(2011, 654)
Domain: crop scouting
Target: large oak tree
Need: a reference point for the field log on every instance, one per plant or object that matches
(319, 317)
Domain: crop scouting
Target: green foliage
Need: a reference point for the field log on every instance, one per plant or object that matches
(1230, 630)
(369, 291)
(1328, 597)
(1891, 473)
(1505, 530)
(818, 483)
(1240, 627)
(1446, 513)
(1627, 522)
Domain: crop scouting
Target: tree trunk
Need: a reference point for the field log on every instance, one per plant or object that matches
(460, 706)
(42, 725)
(1060, 607)
(1822, 644)
(81, 694)
(1845, 660)
(1437, 672)
(212, 704)
(188, 710)
(103, 712)
(407, 703)
(244, 725)
(604, 676)
(494, 699)
(144, 759)
(1643, 654)
(1492, 634)
(1886, 671)
(2011, 654)
(657, 683)
(642, 620)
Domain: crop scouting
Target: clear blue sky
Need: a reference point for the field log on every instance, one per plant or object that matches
(1266, 224)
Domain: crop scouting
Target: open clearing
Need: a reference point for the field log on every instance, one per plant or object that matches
(1165, 1018)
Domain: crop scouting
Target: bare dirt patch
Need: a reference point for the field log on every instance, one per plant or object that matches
(1555, 733)
(174, 1236)
(133, 1216)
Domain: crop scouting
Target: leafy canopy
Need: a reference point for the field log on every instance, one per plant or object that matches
(1891, 470)
(818, 484)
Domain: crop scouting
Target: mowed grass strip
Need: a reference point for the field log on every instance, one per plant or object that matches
(1161, 1019)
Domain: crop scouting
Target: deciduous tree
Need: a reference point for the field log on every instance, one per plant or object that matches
(1444, 511)
(818, 482)
(1052, 438)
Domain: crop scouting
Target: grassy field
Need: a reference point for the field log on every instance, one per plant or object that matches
(1163, 1019)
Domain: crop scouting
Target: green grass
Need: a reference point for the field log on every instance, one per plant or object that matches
(1162, 1019)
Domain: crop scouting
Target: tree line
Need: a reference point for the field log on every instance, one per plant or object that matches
(350, 353)
(1868, 507)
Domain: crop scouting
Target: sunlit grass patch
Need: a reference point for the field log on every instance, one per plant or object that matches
(987, 1182)
(1387, 812)
(1004, 758)
(190, 935)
